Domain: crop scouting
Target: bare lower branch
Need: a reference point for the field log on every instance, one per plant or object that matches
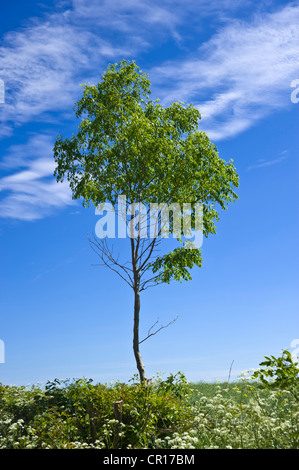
(151, 248)
(149, 334)
(152, 282)
(108, 259)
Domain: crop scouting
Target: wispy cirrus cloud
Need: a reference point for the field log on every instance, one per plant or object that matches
(30, 191)
(19, 156)
(262, 163)
(32, 194)
(128, 15)
(246, 68)
(43, 65)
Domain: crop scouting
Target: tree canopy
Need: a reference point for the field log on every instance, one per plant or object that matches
(128, 144)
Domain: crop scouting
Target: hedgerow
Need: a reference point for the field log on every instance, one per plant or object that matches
(259, 411)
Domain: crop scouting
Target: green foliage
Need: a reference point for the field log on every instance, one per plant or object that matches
(80, 414)
(279, 372)
(175, 385)
(129, 145)
(175, 265)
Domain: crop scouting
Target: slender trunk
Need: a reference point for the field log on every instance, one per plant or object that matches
(139, 363)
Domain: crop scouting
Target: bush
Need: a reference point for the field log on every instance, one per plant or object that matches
(281, 372)
(80, 414)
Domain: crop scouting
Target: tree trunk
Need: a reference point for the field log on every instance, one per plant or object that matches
(136, 288)
(139, 363)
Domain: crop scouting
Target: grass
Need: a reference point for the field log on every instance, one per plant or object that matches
(245, 414)
(232, 390)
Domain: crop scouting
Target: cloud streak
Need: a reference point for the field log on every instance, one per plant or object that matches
(32, 193)
(266, 163)
(246, 68)
(42, 67)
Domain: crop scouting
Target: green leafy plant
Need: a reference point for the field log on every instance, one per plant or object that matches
(71, 414)
(279, 372)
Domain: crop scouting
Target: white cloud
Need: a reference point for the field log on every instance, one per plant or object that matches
(43, 64)
(128, 15)
(20, 155)
(32, 192)
(246, 68)
(30, 197)
(262, 163)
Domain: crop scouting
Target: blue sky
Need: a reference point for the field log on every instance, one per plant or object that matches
(61, 316)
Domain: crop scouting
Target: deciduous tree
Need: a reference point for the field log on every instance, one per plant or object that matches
(128, 144)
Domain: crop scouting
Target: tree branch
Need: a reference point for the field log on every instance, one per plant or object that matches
(106, 254)
(149, 334)
(146, 284)
(151, 247)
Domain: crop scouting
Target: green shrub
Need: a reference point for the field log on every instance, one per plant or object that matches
(281, 372)
(80, 414)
